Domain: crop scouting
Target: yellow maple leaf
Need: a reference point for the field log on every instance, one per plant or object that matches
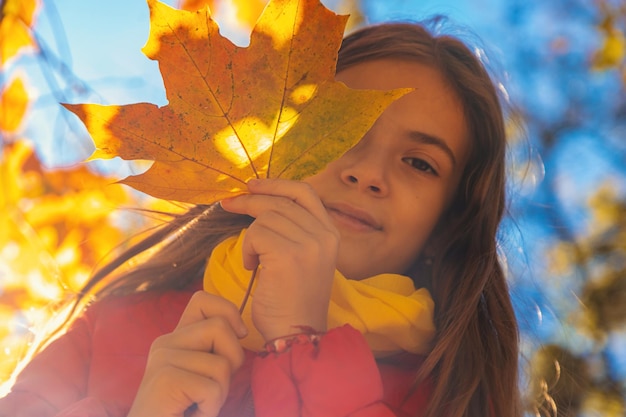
(272, 109)
(13, 104)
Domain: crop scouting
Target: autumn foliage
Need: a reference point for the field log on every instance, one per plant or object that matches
(56, 225)
(272, 109)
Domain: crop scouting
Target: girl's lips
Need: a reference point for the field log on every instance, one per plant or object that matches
(353, 217)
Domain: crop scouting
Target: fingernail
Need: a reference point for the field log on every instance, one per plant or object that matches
(225, 201)
(253, 182)
(243, 331)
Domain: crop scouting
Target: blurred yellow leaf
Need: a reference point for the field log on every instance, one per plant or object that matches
(562, 258)
(606, 210)
(612, 51)
(272, 109)
(16, 17)
(13, 160)
(605, 303)
(193, 5)
(559, 380)
(245, 12)
(13, 104)
(604, 403)
(54, 228)
(352, 8)
(248, 11)
(23, 10)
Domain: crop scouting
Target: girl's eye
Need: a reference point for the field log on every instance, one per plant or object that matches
(421, 165)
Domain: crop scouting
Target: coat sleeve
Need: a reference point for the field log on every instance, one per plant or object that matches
(53, 383)
(337, 378)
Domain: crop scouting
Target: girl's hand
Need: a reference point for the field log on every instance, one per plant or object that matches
(296, 243)
(192, 366)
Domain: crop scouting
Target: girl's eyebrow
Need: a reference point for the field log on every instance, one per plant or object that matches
(428, 139)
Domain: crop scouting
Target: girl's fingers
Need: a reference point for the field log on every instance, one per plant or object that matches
(203, 305)
(260, 205)
(206, 395)
(209, 324)
(284, 214)
(174, 390)
(194, 363)
(213, 335)
(300, 193)
(290, 240)
(290, 218)
(297, 191)
(206, 365)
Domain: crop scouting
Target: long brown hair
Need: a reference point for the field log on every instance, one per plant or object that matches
(474, 361)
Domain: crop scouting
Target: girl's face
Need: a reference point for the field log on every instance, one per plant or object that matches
(387, 193)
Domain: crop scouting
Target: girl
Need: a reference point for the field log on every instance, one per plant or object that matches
(341, 321)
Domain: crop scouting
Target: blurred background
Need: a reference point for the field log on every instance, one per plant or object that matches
(560, 63)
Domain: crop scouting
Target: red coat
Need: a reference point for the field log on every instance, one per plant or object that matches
(94, 370)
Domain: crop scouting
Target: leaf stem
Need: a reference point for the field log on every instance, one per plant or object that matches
(248, 290)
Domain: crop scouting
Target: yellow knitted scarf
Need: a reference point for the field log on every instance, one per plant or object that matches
(387, 309)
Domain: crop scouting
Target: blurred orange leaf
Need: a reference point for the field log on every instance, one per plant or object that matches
(13, 104)
(272, 109)
(16, 17)
(194, 5)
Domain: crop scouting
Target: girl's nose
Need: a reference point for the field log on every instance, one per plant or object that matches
(368, 176)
